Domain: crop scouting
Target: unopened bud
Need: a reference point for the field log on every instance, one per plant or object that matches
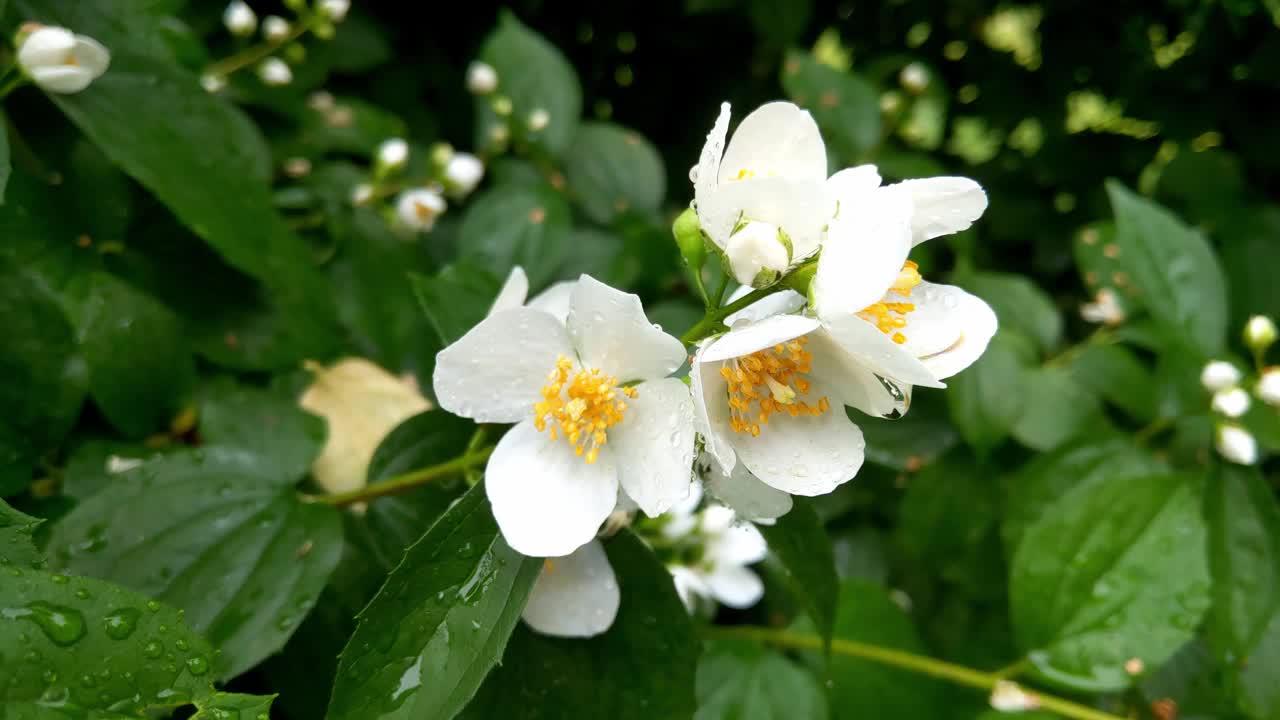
(213, 83)
(499, 134)
(392, 155)
(462, 173)
(1259, 333)
(689, 238)
(320, 101)
(275, 28)
(758, 254)
(441, 154)
(915, 78)
(482, 79)
(1008, 696)
(1232, 402)
(335, 10)
(59, 61)
(1236, 444)
(1220, 375)
(539, 119)
(274, 72)
(1268, 388)
(361, 194)
(239, 19)
(417, 209)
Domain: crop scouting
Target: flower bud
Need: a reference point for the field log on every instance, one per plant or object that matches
(274, 72)
(417, 209)
(59, 61)
(690, 240)
(275, 28)
(392, 155)
(240, 19)
(334, 10)
(1008, 696)
(499, 135)
(361, 194)
(539, 119)
(1104, 309)
(482, 79)
(1232, 402)
(462, 173)
(758, 254)
(1219, 375)
(501, 105)
(441, 154)
(1268, 388)
(1236, 444)
(1259, 333)
(914, 78)
(213, 83)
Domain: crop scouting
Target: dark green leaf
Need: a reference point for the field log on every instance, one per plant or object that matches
(352, 126)
(988, 398)
(929, 526)
(455, 299)
(1114, 372)
(17, 548)
(1249, 251)
(641, 669)
(781, 22)
(846, 107)
(1019, 305)
(799, 541)
(4, 149)
(96, 462)
(427, 640)
(744, 681)
(217, 532)
(1113, 571)
(611, 169)
(1055, 409)
(517, 225)
(913, 440)
(231, 706)
(89, 646)
(1173, 267)
(1097, 258)
(268, 423)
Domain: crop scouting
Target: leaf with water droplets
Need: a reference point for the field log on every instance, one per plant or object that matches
(234, 706)
(800, 542)
(427, 640)
(268, 422)
(17, 548)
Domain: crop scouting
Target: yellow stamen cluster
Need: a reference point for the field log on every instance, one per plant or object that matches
(891, 317)
(743, 174)
(580, 409)
(771, 380)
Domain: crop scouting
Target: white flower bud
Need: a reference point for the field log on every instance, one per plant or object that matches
(482, 79)
(1008, 696)
(1104, 309)
(239, 19)
(275, 72)
(539, 119)
(213, 83)
(392, 154)
(499, 134)
(275, 28)
(417, 209)
(361, 194)
(755, 249)
(59, 61)
(462, 173)
(1236, 444)
(1268, 389)
(1232, 402)
(1259, 333)
(335, 10)
(915, 78)
(1220, 375)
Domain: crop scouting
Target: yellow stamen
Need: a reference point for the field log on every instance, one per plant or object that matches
(580, 407)
(771, 379)
(889, 316)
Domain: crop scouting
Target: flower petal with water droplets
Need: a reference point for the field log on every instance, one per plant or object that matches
(574, 596)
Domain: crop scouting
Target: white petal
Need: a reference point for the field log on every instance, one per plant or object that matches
(852, 184)
(943, 205)
(574, 596)
(707, 173)
(804, 455)
(496, 371)
(747, 338)
(611, 332)
(864, 251)
(853, 383)
(47, 45)
(62, 78)
(689, 585)
(91, 55)
(737, 587)
(750, 498)
(801, 208)
(711, 410)
(875, 351)
(554, 300)
(949, 328)
(548, 502)
(653, 445)
(779, 303)
(741, 544)
(513, 292)
(778, 139)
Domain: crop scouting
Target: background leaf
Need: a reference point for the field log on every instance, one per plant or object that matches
(612, 169)
(515, 225)
(799, 541)
(988, 398)
(17, 546)
(845, 106)
(744, 681)
(268, 423)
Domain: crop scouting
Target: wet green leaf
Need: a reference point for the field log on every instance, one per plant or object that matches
(455, 299)
(232, 706)
(800, 542)
(988, 398)
(267, 422)
(612, 169)
(1019, 304)
(17, 546)
(1114, 373)
(744, 681)
(517, 225)
(1055, 409)
(845, 106)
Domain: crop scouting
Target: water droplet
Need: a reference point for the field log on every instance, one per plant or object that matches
(197, 665)
(60, 579)
(181, 644)
(50, 677)
(153, 649)
(62, 625)
(152, 605)
(82, 594)
(120, 623)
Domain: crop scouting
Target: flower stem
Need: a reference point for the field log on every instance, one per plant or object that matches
(406, 482)
(251, 55)
(711, 322)
(14, 83)
(958, 674)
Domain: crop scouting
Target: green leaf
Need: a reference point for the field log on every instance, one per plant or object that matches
(1019, 304)
(1113, 571)
(781, 22)
(1244, 557)
(642, 668)
(4, 147)
(17, 546)
(455, 299)
(845, 106)
(799, 541)
(1097, 258)
(89, 646)
(1249, 252)
(233, 706)
(362, 127)
(140, 368)
(534, 75)
(427, 640)
(989, 397)
(1173, 267)
(1114, 373)
(268, 423)
(217, 532)
(914, 440)
(517, 225)
(929, 526)
(1055, 409)
(611, 169)
(90, 466)
(744, 681)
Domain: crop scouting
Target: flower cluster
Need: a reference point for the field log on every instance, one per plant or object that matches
(831, 315)
(1231, 400)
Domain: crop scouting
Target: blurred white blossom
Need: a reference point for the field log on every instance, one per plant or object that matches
(539, 119)
(1220, 375)
(392, 154)
(335, 10)
(59, 61)
(462, 173)
(1268, 388)
(275, 72)
(1232, 402)
(725, 548)
(1008, 696)
(482, 79)
(1105, 308)
(1236, 444)
(418, 208)
(1259, 333)
(239, 19)
(275, 28)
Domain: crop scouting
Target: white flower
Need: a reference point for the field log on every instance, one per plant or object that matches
(462, 173)
(275, 28)
(482, 79)
(1259, 333)
(750, 498)
(1268, 388)
(239, 19)
(1236, 444)
(392, 154)
(361, 403)
(539, 119)
(335, 10)
(595, 411)
(417, 209)
(213, 83)
(554, 300)
(728, 547)
(1220, 375)
(1232, 402)
(59, 61)
(1008, 696)
(1104, 309)
(574, 596)
(275, 72)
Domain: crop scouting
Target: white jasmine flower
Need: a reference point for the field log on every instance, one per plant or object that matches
(575, 595)
(728, 547)
(213, 83)
(1105, 308)
(462, 173)
(417, 209)
(539, 119)
(239, 19)
(361, 403)
(392, 154)
(1008, 696)
(482, 79)
(275, 28)
(59, 61)
(1268, 388)
(594, 408)
(1236, 444)
(554, 300)
(335, 10)
(1233, 402)
(1220, 375)
(1259, 333)
(361, 194)
(274, 72)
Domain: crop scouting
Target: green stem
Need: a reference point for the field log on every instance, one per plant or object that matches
(702, 288)
(958, 674)
(724, 285)
(1101, 336)
(1150, 430)
(406, 482)
(711, 322)
(14, 83)
(256, 53)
